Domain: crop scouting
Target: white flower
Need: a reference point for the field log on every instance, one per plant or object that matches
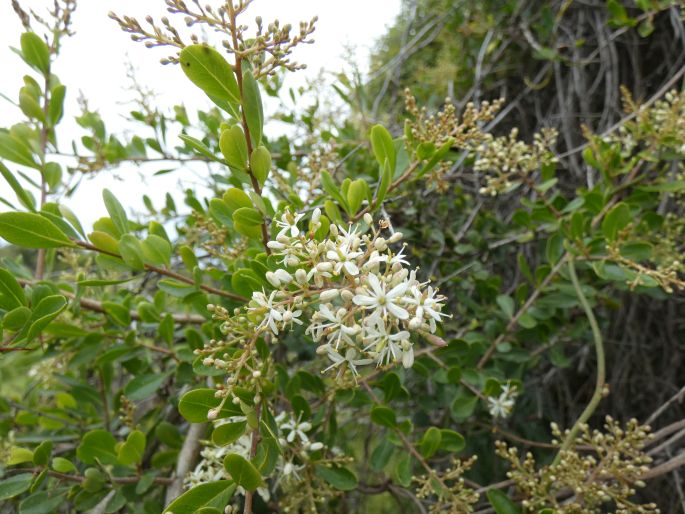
(288, 224)
(428, 305)
(325, 322)
(273, 312)
(502, 406)
(344, 259)
(296, 429)
(350, 359)
(388, 347)
(378, 299)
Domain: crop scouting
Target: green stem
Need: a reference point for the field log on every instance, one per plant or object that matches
(601, 365)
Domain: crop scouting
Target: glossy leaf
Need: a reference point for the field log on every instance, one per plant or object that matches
(208, 70)
(211, 494)
(35, 51)
(31, 230)
(242, 472)
(252, 107)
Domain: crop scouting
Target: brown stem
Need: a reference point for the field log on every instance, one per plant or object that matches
(96, 306)
(77, 478)
(248, 138)
(166, 272)
(249, 495)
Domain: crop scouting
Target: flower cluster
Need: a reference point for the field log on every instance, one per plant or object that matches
(296, 443)
(364, 305)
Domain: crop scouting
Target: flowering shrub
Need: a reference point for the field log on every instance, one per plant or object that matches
(276, 347)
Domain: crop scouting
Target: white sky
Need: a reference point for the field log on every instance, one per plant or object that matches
(94, 62)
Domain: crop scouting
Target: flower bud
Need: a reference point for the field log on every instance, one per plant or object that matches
(333, 230)
(292, 261)
(346, 295)
(328, 295)
(315, 447)
(301, 276)
(212, 414)
(283, 276)
(316, 215)
(324, 266)
(275, 245)
(208, 361)
(415, 323)
(273, 279)
(397, 236)
(380, 244)
(256, 374)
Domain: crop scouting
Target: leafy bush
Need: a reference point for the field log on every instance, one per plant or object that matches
(341, 325)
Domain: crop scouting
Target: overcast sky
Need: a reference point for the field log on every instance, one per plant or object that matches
(94, 62)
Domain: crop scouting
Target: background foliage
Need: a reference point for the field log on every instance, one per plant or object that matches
(107, 393)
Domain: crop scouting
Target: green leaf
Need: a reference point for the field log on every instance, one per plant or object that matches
(15, 319)
(383, 147)
(208, 70)
(234, 147)
(252, 107)
(31, 230)
(337, 476)
(97, 446)
(383, 184)
(35, 52)
(430, 442)
(56, 107)
(199, 147)
(15, 485)
(29, 105)
(356, 194)
(244, 281)
(131, 250)
(248, 217)
(41, 316)
(242, 472)
(664, 187)
(228, 433)
(463, 405)
(329, 186)
(104, 241)
(24, 197)
(156, 250)
(44, 502)
(236, 198)
(131, 452)
(116, 211)
(615, 220)
(501, 503)
(506, 303)
(11, 292)
(260, 164)
(118, 312)
(62, 465)
(381, 455)
(402, 472)
(16, 150)
(383, 416)
(212, 494)
(144, 386)
(41, 455)
(451, 441)
(195, 404)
